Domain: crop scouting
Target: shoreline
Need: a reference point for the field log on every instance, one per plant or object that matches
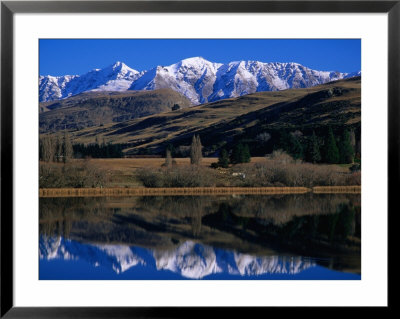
(199, 191)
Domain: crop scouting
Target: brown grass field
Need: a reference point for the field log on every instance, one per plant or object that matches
(129, 164)
(122, 176)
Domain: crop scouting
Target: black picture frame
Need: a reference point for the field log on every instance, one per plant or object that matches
(9, 8)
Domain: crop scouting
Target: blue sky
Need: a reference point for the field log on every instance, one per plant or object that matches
(78, 56)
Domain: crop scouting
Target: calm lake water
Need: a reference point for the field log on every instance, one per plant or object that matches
(290, 237)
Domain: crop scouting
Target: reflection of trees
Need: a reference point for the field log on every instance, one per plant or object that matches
(281, 209)
(177, 206)
(57, 215)
(318, 234)
(185, 208)
(315, 219)
(335, 228)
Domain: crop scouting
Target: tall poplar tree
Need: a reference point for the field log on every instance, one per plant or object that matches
(168, 159)
(195, 150)
(68, 151)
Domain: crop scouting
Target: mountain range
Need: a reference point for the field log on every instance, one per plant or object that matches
(199, 80)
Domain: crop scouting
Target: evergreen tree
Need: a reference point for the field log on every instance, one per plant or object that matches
(313, 152)
(352, 136)
(284, 141)
(295, 147)
(223, 159)
(245, 156)
(331, 149)
(236, 153)
(240, 154)
(195, 150)
(346, 149)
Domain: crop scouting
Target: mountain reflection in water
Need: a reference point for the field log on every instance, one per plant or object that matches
(201, 237)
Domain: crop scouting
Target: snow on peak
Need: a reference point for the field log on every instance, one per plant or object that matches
(196, 78)
(118, 63)
(116, 77)
(199, 61)
(122, 67)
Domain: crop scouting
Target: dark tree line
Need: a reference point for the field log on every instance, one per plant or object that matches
(239, 154)
(340, 146)
(59, 148)
(97, 150)
(332, 145)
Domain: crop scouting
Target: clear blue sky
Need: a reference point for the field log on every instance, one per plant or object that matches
(78, 56)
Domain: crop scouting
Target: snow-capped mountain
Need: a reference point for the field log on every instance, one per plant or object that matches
(193, 77)
(116, 77)
(196, 78)
(190, 260)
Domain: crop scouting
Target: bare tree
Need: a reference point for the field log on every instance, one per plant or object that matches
(47, 148)
(195, 150)
(263, 137)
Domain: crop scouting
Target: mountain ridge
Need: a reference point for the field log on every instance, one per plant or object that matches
(196, 78)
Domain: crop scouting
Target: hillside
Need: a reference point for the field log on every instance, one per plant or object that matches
(223, 123)
(101, 108)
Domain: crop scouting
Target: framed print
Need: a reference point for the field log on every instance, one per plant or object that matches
(164, 155)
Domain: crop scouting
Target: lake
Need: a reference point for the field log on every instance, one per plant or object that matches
(227, 237)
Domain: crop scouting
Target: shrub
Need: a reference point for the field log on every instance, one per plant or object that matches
(192, 176)
(281, 157)
(75, 175)
(355, 168)
(214, 165)
(279, 172)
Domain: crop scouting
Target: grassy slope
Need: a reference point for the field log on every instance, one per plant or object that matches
(101, 108)
(334, 103)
